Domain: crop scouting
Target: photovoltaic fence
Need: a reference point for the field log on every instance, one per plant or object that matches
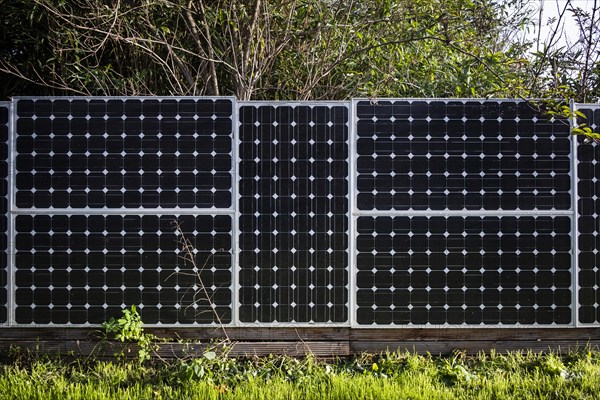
(4, 210)
(588, 208)
(294, 215)
(99, 185)
(387, 213)
(461, 214)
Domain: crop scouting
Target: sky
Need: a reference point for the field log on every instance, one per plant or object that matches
(551, 9)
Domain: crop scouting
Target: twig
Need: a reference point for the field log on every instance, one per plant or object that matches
(189, 257)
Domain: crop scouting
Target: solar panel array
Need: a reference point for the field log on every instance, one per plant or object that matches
(99, 184)
(4, 211)
(364, 213)
(464, 158)
(588, 208)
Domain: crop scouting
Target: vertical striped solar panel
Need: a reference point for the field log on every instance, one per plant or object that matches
(293, 204)
(4, 210)
(588, 207)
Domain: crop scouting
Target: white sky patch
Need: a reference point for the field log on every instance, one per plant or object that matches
(568, 32)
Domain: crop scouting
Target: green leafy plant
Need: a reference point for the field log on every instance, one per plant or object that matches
(553, 365)
(198, 368)
(129, 329)
(455, 370)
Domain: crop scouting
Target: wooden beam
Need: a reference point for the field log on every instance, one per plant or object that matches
(322, 342)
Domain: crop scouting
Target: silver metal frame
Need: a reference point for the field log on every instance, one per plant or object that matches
(277, 104)
(500, 213)
(352, 232)
(151, 211)
(574, 226)
(15, 211)
(12, 132)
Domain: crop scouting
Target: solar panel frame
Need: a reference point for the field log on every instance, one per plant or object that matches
(453, 146)
(83, 269)
(98, 177)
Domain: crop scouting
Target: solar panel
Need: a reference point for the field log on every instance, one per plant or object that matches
(463, 270)
(124, 153)
(293, 205)
(460, 155)
(4, 210)
(439, 212)
(588, 208)
(79, 269)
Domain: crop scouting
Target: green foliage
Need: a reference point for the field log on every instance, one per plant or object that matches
(129, 329)
(553, 365)
(454, 370)
(263, 49)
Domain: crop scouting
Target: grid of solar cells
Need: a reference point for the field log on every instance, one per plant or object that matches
(131, 153)
(78, 269)
(293, 204)
(4, 108)
(455, 155)
(588, 186)
(464, 270)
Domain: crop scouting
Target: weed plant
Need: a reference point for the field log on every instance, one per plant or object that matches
(517, 375)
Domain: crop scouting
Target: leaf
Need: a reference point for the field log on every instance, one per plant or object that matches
(210, 355)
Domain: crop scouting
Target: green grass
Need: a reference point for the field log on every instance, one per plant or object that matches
(389, 376)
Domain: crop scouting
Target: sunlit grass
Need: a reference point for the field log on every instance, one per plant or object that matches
(389, 376)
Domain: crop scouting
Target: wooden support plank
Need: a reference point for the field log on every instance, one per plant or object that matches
(255, 333)
(297, 348)
(189, 350)
(469, 346)
(318, 334)
(238, 334)
(323, 342)
(441, 334)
